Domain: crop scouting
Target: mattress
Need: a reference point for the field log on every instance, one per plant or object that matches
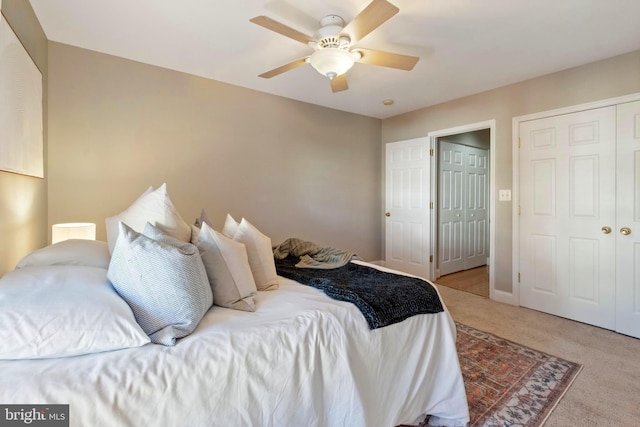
(301, 359)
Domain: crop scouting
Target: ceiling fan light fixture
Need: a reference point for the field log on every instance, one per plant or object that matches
(332, 62)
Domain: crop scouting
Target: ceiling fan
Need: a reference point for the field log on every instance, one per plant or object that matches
(333, 53)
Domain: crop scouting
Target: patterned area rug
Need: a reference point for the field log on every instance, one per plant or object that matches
(509, 384)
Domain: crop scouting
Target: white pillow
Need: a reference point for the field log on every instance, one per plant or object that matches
(58, 311)
(154, 207)
(166, 286)
(228, 270)
(230, 226)
(260, 255)
(90, 253)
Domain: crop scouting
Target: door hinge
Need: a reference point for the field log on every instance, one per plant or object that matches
(430, 258)
(519, 142)
(431, 152)
(431, 205)
(518, 277)
(519, 210)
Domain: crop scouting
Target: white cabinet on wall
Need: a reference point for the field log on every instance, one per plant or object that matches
(579, 221)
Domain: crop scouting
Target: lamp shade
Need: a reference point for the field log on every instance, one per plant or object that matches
(73, 230)
(332, 61)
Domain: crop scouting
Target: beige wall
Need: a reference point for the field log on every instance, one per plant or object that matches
(600, 80)
(23, 199)
(477, 138)
(291, 168)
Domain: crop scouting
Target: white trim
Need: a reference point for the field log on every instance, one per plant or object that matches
(580, 107)
(515, 126)
(433, 138)
(505, 297)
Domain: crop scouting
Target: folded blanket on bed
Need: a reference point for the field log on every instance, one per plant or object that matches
(312, 255)
(383, 298)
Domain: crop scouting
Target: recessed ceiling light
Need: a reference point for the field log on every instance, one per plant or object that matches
(388, 102)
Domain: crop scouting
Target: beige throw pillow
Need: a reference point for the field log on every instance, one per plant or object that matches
(230, 227)
(227, 267)
(260, 255)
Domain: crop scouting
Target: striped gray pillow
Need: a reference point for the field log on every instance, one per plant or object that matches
(165, 284)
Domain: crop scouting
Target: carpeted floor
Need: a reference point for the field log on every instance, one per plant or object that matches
(606, 391)
(509, 384)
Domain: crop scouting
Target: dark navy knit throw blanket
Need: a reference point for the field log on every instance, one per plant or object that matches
(383, 298)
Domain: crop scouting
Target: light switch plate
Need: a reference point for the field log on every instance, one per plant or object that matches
(504, 195)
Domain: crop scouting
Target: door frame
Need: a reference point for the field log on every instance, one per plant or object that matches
(433, 139)
(515, 126)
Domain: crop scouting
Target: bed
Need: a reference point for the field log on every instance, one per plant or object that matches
(299, 358)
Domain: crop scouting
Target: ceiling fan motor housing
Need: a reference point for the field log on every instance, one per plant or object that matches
(328, 35)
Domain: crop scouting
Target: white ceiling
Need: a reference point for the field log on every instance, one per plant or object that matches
(465, 46)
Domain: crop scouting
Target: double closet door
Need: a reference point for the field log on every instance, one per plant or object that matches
(579, 231)
(463, 218)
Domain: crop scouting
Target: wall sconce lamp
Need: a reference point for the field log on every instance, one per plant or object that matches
(73, 230)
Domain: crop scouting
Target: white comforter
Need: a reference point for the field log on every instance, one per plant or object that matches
(302, 359)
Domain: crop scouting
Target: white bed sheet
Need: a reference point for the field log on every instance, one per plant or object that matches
(302, 359)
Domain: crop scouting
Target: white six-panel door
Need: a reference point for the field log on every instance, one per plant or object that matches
(628, 216)
(407, 216)
(462, 207)
(567, 199)
(451, 213)
(476, 211)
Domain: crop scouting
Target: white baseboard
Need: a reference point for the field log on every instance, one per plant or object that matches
(379, 262)
(504, 297)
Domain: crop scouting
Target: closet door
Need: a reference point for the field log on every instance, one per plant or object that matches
(463, 217)
(628, 216)
(567, 198)
(476, 213)
(451, 212)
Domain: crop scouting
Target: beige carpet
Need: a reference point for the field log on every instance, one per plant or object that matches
(607, 391)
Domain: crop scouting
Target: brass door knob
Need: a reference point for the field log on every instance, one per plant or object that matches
(387, 214)
(606, 230)
(625, 230)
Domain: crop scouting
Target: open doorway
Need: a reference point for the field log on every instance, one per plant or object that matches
(462, 182)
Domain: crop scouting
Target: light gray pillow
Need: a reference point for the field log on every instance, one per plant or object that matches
(203, 219)
(228, 270)
(195, 228)
(165, 285)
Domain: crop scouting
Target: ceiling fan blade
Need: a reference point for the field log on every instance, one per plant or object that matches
(284, 68)
(339, 83)
(387, 59)
(374, 15)
(279, 28)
